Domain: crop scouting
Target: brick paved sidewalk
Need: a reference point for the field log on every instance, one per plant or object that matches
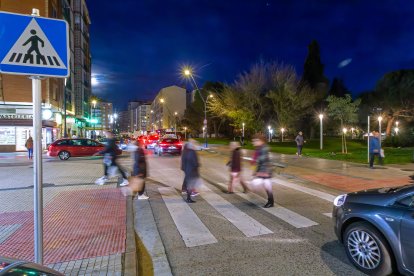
(85, 227)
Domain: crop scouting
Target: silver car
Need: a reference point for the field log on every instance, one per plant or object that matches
(377, 229)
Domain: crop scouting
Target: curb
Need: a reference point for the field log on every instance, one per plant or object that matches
(130, 255)
(150, 248)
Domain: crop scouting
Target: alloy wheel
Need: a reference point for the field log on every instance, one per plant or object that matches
(364, 249)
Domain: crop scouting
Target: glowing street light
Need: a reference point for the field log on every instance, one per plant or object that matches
(269, 128)
(344, 130)
(283, 131)
(189, 74)
(185, 133)
(379, 128)
(321, 131)
(396, 130)
(162, 100)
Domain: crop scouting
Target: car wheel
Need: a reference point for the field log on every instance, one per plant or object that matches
(64, 155)
(367, 249)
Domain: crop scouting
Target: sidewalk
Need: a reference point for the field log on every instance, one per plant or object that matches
(85, 228)
(337, 175)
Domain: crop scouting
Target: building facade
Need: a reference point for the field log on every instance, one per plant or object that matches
(168, 108)
(62, 115)
(82, 65)
(16, 109)
(139, 116)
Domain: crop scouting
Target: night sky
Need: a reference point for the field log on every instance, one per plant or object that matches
(138, 46)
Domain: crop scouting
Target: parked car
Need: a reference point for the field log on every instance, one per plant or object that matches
(152, 141)
(9, 266)
(66, 148)
(377, 227)
(168, 145)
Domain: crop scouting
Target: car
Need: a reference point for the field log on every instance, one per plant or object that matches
(66, 148)
(152, 141)
(376, 227)
(10, 266)
(168, 145)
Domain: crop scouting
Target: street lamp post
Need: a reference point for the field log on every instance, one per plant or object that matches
(188, 73)
(344, 130)
(268, 128)
(352, 132)
(321, 131)
(271, 134)
(283, 131)
(379, 128)
(242, 134)
(175, 123)
(185, 133)
(93, 118)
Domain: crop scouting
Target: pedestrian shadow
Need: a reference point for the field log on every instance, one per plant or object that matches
(335, 249)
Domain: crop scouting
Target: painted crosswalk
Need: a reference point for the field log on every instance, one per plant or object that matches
(191, 228)
(247, 225)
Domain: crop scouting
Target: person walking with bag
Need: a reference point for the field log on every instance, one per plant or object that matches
(190, 166)
(235, 168)
(263, 172)
(140, 170)
(110, 158)
(29, 147)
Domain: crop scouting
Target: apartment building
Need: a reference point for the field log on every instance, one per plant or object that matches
(139, 116)
(168, 107)
(58, 95)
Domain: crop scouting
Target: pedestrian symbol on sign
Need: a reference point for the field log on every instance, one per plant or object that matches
(34, 47)
(26, 51)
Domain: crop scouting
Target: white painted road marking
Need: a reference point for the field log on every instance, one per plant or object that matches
(192, 230)
(300, 188)
(247, 225)
(280, 212)
(328, 215)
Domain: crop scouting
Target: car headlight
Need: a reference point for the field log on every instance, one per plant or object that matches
(339, 200)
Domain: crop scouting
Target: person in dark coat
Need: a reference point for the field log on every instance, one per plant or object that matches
(109, 152)
(299, 143)
(190, 165)
(235, 167)
(263, 172)
(374, 149)
(140, 167)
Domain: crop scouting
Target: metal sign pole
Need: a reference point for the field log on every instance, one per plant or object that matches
(37, 169)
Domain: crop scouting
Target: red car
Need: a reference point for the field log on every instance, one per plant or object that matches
(66, 148)
(151, 141)
(168, 145)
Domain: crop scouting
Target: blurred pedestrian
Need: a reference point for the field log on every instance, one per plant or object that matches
(299, 143)
(29, 146)
(235, 168)
(374, 149)
(263, 172)
(190, 166)
(110, 158)
(140, 168)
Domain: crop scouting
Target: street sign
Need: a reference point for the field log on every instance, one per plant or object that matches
(34, 46)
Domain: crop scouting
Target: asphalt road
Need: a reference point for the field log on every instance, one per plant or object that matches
(224, 234)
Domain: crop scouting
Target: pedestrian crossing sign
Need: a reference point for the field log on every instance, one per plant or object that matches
(35, 46)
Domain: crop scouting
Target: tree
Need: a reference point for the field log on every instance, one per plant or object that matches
(394, 93)
(344, 110)
(338, 88)
(313, 74)
(290, 100)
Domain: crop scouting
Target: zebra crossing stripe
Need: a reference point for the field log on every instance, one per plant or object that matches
(280, 212)
(300, 188)
(191, 228)
(247, 225)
